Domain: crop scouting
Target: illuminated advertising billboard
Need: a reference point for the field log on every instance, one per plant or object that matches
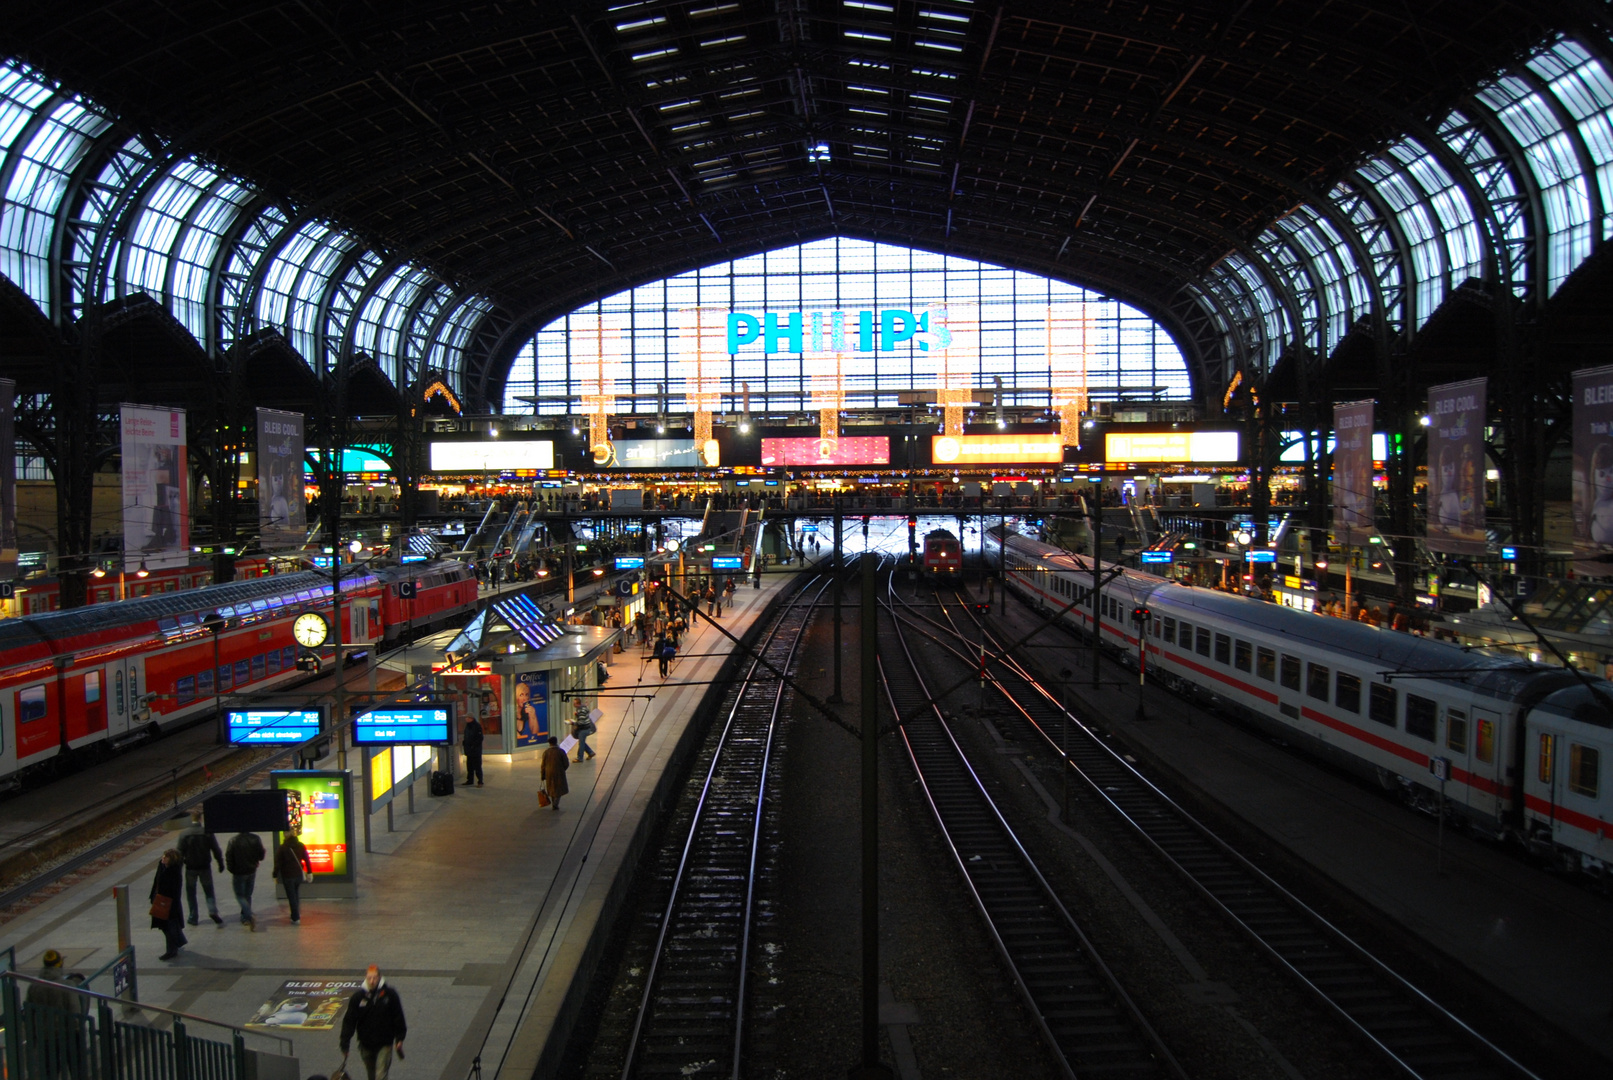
(966, 450)
(1171, 447)
(272, 725)
(656, 454)
(321, 815)
(492, 455)
(856, 450)
(389, 725)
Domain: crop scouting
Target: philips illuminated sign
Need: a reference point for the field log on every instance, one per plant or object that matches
(402, 724)
(838, 331)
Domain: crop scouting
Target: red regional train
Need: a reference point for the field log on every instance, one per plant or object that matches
(943, 556)
(110, 673)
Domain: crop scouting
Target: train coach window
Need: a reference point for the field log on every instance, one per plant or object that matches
(1318, 680)
(1382, 707)
(30, 704)
(1266, 664)
(1223, 649)
(1242, 655)
(1184, 636)
(1422, 717)
(1584, 762)
(1170, 630)
(1347, 692)
(1290, 673)
(1485, 750)
(1546, 773)
(1203, 641)
(1456, 731)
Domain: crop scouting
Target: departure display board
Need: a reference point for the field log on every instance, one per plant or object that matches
(390, 725)
(319, 813)
(273, 725)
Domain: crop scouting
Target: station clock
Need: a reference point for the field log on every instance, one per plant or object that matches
(310, 630)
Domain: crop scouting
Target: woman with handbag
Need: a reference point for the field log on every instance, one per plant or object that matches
(166, 913)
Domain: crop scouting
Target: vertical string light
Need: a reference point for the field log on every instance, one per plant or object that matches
(828, 380)
(596, 352)
(703, 359)
(1069, 343)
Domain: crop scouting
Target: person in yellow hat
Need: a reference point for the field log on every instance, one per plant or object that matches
(52, 991)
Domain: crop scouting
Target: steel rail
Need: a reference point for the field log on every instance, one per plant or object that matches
(693, 1004)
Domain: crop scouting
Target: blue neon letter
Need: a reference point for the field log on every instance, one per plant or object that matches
(890, 333)
(742, 330)
(774, 336)
(865, 328)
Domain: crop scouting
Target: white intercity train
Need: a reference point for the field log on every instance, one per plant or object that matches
(1519, 743)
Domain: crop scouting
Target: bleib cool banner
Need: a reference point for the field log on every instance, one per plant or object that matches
(1593, 463)
(1352, 472)
(1456, 467)
(282, 507)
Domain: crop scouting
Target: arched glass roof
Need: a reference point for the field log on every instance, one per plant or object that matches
(1129, 355)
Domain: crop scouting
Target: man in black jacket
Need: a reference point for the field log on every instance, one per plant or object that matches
(375, 1014)
(472, 742)
(198, 850)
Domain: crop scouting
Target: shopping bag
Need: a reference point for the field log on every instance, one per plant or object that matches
(543, 797)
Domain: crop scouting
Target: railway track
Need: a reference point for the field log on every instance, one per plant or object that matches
(1086, 1017)
(691, 1016)
(1414, 1034)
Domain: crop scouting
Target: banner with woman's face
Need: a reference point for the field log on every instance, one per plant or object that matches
(530, 708)
(1456, 466)
(1593, 462)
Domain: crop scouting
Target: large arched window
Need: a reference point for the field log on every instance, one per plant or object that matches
(1129, 357)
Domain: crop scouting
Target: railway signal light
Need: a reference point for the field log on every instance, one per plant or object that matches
(981, 609)
(1140, 615)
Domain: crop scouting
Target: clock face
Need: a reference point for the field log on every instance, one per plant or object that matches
(310, 630)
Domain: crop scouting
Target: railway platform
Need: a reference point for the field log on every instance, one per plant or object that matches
(1532, 937)
(482, 909)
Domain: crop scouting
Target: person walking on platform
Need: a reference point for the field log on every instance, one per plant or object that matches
(552, 771)
(242, 858)
(711, 602)
(582, 726)
(472, 742)
(167, 910)
(375, 1015)
(290, 864)
(663, 652)
(198, 850)
(728, 594)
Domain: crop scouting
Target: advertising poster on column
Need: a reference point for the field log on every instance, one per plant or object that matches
(8, 480)
(282, 507)
(1352, 472)
(1593, 465)
(156, 488)
(1456, 467)
(531, 708)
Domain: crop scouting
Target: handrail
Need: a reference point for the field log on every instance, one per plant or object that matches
(19, 976)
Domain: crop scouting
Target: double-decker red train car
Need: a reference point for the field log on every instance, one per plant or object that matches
(110, 673)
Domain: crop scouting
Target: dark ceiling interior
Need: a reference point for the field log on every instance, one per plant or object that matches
(548, 153)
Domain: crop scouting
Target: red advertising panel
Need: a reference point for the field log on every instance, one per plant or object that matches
(1593, 464)
(856, 450)
(1456, 467)
(1352, 472)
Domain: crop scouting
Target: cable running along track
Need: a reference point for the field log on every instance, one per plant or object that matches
(1416, 1036)
(691, 1017)
(1088, 1020)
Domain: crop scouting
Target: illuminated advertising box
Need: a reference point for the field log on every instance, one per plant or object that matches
(966, 450)
(273, 725)
(492, 455)
(1185, 447)
(655, 454)
(857, 450)
(390, 725)
(321, 814)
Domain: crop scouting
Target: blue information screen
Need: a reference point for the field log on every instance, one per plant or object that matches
(272, 725)
(1157, 556)
(402, 724)
(727, 562)
(629, 562)
(1261, 556)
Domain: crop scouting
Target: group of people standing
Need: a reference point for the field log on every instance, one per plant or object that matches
(190, 863)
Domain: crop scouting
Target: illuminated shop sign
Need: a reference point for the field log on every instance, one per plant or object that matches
(854, 450)
(1196, 447)
(492, 455)
(996, 449)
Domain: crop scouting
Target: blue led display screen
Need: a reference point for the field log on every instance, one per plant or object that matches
(272, 725)
(629, 562)
(402, 724)
(1261, 556)
(726, 562)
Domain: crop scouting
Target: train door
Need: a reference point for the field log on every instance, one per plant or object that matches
(1541, 781)
(123, 693)
(1484, 761)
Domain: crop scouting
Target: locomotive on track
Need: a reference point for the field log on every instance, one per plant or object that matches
(109, 673)
(943, 555)
(1519, 742)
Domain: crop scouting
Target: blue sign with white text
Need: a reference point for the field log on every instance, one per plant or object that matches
(401, 724)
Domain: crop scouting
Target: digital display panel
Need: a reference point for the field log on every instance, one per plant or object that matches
(996, 449)
(1187, 447)
(272, 725)
(847, 450)
(727, 562)
(394, 724)
(1156, 556)
(492, 455)
(318, 812)
(1261, 556)
(629, 562)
